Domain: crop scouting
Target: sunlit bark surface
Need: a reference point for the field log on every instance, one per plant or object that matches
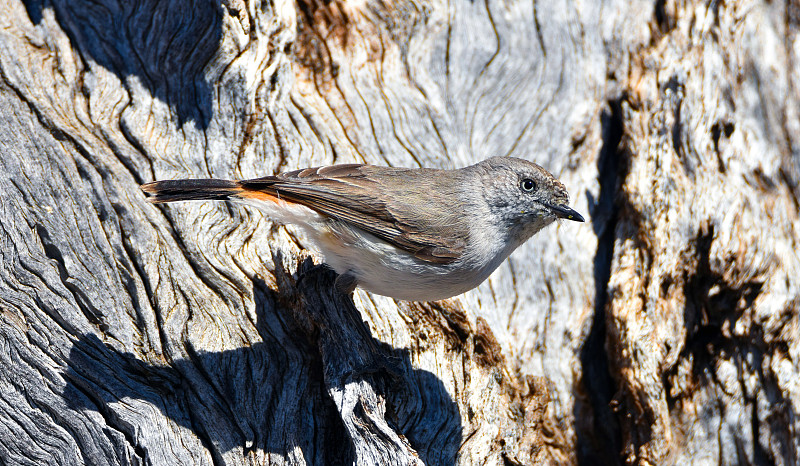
(664, 330)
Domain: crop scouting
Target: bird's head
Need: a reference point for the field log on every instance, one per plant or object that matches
(523, 196)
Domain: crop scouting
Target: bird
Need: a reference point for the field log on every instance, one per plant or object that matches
(413, 234)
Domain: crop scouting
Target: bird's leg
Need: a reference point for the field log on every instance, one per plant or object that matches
(346, 283)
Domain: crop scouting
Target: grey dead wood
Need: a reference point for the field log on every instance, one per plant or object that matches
(663, 331)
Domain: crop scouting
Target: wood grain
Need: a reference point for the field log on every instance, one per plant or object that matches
(665, 330)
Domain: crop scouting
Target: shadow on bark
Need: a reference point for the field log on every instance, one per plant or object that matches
(165, 45)
(330, 382)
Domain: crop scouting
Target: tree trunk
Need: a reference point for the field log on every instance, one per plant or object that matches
(664, 330)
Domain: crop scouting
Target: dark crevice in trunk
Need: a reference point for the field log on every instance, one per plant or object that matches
(597, 427)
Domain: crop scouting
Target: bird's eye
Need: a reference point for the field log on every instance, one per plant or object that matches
(527, 185)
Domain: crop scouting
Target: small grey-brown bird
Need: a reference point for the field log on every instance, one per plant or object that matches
(416, 234)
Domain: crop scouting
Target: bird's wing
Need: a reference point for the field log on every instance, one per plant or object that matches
(416, 214)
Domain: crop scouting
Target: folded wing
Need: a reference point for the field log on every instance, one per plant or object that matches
(403, 209)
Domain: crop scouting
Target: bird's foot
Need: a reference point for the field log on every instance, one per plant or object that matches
(346, 283)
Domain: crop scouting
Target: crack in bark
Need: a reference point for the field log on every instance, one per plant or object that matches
(538, 28)
(598, 429)
(82, 301)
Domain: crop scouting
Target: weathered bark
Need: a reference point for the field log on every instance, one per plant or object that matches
(665, 330)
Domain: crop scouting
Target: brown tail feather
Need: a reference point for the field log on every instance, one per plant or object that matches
(189, 190)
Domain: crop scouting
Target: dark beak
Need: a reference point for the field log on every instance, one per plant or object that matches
(563, 211)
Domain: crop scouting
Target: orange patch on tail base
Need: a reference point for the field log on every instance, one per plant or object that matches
(262, 196)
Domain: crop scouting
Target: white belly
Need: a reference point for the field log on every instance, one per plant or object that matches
(386, 270)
